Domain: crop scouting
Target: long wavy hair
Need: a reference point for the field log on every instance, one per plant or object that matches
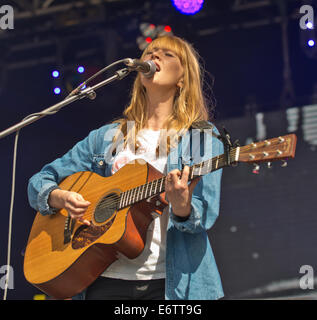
(189, 105)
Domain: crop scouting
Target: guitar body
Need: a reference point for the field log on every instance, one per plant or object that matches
(63, 266)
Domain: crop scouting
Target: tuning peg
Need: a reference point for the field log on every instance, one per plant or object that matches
(256, 168)
(284, 164)
(269, 165)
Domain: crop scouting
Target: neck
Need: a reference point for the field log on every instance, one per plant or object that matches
(157, 186)
(159, 106)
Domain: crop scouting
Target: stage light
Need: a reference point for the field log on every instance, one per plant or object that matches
(57, 90)
(167, 29)
(311, 43)
(81, 69)
(309, 25)
(188, 6)
(55, 74)
(163, 30)
(148, 29)
(150, 32)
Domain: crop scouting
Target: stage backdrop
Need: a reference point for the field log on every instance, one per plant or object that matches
(266, 230)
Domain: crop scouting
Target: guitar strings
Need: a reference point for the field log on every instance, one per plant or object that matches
(114, 200)
(221, 161)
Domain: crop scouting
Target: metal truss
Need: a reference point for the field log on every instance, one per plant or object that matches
(46, 23)
(30, 8)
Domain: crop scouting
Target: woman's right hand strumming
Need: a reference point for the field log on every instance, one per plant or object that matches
(73, 202)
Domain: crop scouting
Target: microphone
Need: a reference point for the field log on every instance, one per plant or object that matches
(148, 68)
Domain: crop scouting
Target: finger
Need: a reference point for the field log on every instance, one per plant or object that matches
(175, 174)
(75, 215)
(79, 197)
(185, 174)
(84, 221)
(74, 210)
(78, 203)
(193, 184)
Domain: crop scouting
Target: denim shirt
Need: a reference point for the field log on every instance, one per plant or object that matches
(191, 270)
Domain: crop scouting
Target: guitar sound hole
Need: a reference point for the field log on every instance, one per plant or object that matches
(106, 207)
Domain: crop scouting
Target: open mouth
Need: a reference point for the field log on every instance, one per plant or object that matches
(158, 68)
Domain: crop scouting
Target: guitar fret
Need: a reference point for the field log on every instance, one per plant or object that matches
(133, 195)
(151, 188)
(136, 193)
(130, 196)
(141, 191)
(199, 172)
(139, 194)
(155, 186)
(161, 186)
(217, 162)
(121, 199)
(125, 198)
(147, 186)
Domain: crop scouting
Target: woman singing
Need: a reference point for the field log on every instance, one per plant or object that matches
(157, 126)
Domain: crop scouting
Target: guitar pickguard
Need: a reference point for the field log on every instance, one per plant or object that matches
(85, 235)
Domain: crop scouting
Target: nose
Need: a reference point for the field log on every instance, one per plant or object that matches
(155, 55)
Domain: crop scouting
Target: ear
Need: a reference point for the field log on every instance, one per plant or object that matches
(180, 82)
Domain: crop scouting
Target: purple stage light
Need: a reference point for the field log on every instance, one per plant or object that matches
(188, 6)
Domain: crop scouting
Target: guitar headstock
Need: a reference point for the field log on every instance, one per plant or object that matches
(280, 148)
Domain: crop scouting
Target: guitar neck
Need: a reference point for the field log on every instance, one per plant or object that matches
(157, 186)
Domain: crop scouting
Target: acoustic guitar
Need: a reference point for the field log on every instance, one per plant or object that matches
(64, 256)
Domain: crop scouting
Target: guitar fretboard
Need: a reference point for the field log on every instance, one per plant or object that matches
(157, 186)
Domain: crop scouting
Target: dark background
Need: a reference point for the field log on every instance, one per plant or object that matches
(266, 229)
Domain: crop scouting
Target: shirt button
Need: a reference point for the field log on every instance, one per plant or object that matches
(100, 162)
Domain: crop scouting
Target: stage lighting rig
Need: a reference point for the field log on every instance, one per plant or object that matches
(149, 32)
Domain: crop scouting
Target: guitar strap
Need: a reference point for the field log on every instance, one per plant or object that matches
(201, 125)
(224, 137)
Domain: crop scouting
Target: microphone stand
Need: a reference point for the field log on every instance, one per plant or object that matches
(88, 92)
(75, 95)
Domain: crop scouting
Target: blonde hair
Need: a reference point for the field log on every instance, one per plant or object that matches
(189, 101)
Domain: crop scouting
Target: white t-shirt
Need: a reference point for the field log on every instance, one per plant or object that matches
(150, 264)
